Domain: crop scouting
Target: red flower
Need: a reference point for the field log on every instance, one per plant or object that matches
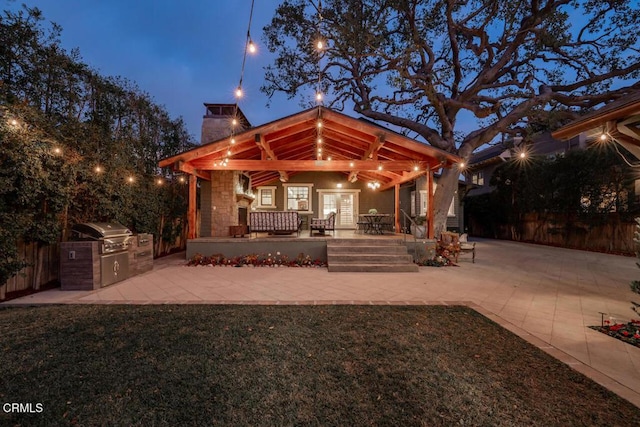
(607, 321)
(625, 333)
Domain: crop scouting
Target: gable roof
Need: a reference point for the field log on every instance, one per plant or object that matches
(276, 150)
(619, 121)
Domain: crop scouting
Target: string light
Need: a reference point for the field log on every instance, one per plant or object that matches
(98, 169)
(374, 185)
(251, 48)
(319, 94)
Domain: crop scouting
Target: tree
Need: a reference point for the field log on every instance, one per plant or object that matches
(59, 120)
(435, 68)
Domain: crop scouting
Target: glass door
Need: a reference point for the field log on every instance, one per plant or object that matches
(343, 204)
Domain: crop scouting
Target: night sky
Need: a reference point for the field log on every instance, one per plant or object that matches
(183, 53)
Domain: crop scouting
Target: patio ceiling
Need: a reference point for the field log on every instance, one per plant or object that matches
(277, 150)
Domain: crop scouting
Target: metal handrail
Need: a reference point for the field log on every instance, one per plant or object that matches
(415, 241)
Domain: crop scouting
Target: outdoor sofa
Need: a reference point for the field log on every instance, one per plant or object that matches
(275, 222)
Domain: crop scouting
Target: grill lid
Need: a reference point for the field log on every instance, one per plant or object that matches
(100, 230)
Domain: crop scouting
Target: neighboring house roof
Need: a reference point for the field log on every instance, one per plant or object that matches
(620, 109)
(619, 121)
(286, 146)
(487, 156)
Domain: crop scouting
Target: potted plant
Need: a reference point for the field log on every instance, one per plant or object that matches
(419, 230)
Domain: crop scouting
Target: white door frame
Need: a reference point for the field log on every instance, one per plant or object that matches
(356, 203)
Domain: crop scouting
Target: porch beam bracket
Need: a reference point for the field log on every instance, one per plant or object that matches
(371, 153)
(189, 169)
(406, 177)
(266, 153)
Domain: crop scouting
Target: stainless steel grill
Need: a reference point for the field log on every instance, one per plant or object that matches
(114, 241)
(114, 237)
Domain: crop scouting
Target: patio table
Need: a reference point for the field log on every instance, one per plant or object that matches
(374, 223)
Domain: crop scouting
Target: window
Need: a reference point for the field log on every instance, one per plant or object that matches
(298, 197)
(419, 204)
(478, 178)
(266, 197)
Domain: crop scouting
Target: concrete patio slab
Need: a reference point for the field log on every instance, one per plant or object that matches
(548, 296)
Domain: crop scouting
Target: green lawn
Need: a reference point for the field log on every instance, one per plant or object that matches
(286, 365)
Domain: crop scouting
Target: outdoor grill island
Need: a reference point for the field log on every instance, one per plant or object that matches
(101, 254)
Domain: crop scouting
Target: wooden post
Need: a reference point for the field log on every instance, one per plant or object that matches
(191, 212)
(396, 213)
(430, 230)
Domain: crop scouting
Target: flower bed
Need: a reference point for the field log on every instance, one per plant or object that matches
(627, 332)
(255, 260)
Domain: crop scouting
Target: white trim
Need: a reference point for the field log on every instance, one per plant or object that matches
(356, 203)
(286, 186)
(259, 204)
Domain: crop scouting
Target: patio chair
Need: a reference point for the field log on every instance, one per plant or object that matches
(322, 225)
(467, 247)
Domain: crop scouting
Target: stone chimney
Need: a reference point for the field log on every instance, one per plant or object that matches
(216, 123)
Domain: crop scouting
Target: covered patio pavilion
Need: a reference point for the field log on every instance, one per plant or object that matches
(309, 145)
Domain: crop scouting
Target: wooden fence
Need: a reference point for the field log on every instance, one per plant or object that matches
(42, 269)
(612, 235)
(44, 264)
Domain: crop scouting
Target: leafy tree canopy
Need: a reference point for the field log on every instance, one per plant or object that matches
(69, 139)
(437, 68)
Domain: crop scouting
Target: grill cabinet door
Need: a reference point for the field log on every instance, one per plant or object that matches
(114, 268)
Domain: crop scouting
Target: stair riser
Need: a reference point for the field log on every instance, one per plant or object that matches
(365, 242)
(366, 250)
(359, 268)
(370, 259)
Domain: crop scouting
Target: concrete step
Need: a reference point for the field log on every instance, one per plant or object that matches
(369, 258)
(387, 249)
(365, 242)
(369, 255)
(373, 268)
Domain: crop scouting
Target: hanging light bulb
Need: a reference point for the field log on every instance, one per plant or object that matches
(239, 92)
(319, 124)
(319, 140)
(97, 169)
(603, 137)
(228, 153)
(233, 141)
(252, 47)
(416, 168)
(130, 179)
(318, 96)
(234, 122)
(320, 44)
(351, 164)
(159, 181)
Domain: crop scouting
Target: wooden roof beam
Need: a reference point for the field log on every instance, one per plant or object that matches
(312, 165)
(371, 153)
(268, 154)
(405, 177)
(189, 169)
